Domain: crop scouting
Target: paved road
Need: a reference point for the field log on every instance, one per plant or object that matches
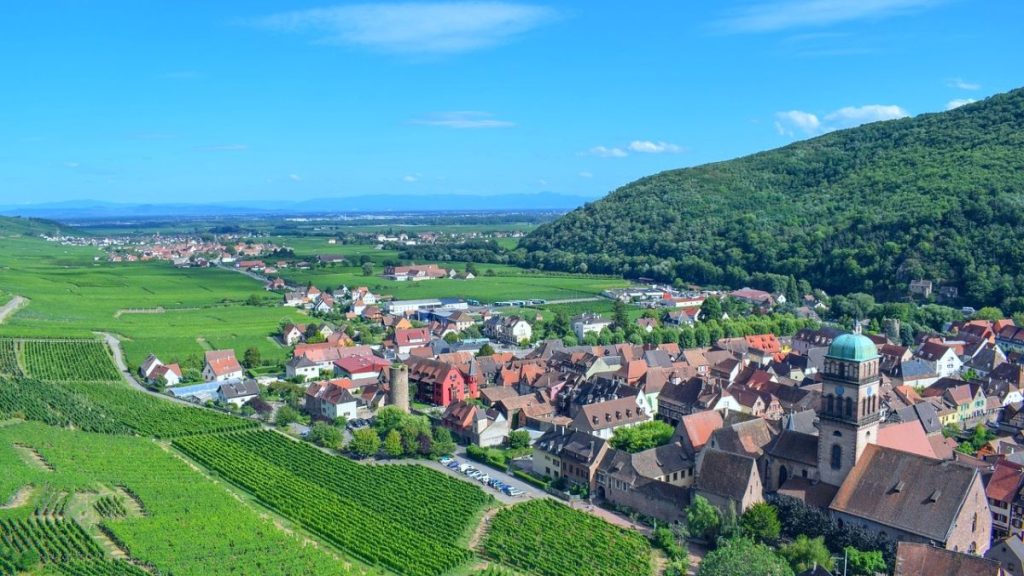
(574, 300)
(11, 307)
(115, 348)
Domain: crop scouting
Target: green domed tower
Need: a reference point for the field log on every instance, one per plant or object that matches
(850, 404)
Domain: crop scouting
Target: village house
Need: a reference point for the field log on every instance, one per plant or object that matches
(570, 454)
(601, 419)
(759, 299)
(1011, 339)
(728, 481)
(414, 273)
(589, 324)
(472, 424)
(943, 359)
(238, 392)
(154, 371)
(361, 369)
(652, 482)
(403, 341)
(1004, 499)
(439, 383)
(508, 329)
(221, 365)
(331, 400)
(292, 334)
(301, 366)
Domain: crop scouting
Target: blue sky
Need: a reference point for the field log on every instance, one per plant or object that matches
(195, 101)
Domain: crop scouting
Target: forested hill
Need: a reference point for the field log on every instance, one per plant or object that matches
(868, 209)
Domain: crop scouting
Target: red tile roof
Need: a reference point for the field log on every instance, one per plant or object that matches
(700, 426)
(223, 362)
(908, 437)
(1006, 480)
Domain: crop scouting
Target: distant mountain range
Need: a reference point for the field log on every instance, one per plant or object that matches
(92, 209)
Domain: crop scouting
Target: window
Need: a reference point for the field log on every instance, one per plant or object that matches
(837, 457)
(831, 404)
(849, 407)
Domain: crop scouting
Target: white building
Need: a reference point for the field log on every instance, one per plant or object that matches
(587, 323)
(402, 307)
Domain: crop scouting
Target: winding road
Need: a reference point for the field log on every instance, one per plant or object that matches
(11, 307)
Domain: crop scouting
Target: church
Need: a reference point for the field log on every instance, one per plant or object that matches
(865, 482)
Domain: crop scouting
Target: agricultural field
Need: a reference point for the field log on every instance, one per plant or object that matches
(508, 283)
(407, 518)
(191, 525)
(111, 408)
(68, 361)
(154, 306)
(543, 537)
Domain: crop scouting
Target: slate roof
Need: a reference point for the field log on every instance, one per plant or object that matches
(581, 447)
(725, 474)
(912, 493)
(613, 413)
(916, 559)
(796, 447)
(749, 437)
(239, 389)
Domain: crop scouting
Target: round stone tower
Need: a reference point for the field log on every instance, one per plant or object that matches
(398, 395)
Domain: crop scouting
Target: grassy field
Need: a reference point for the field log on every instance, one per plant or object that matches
(185, 524)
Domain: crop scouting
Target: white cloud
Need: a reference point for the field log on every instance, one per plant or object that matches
(958, 102)
(793, 121)
(586, 175)
(648, 147)
(606, 152)
(71, 165)
(415, 28)
(225, 147)
(463, 120)
(857, 115)
(771, 16)
(962, 84)
(787, 122)
(409, 178)
(295, 178)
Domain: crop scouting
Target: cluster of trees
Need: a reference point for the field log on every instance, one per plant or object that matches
(750, 543)
(642, 436)
(703, 333)
(396, 434)
(862, 210)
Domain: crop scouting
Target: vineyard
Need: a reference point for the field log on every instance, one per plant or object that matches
(108, 408)
(100, 568)
(111, 507)
(190, 526)
(69, 361)
(545, 538)
(9, 358)
(50, 540)
(407, 518)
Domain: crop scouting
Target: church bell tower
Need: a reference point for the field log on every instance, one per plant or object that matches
(850, 406)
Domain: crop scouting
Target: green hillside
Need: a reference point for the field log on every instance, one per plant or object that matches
(938, 196)
(18, 226)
